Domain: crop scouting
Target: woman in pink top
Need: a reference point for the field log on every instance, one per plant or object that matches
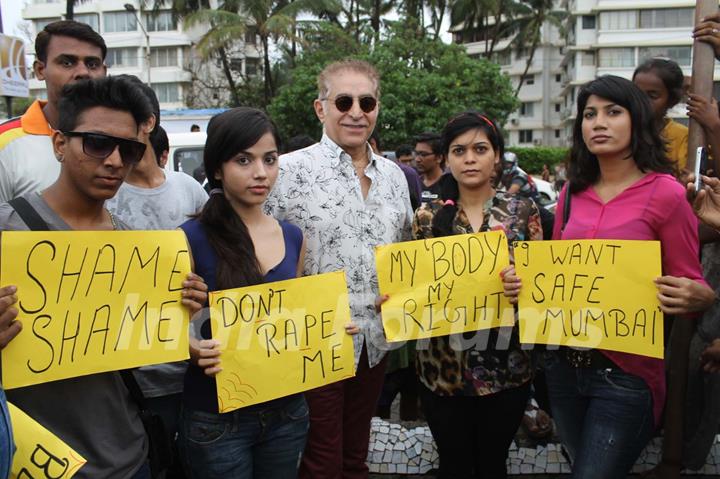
(606, 404)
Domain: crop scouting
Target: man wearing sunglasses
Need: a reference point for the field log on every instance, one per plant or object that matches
(66, 51)
(96, 145)
(347, 200)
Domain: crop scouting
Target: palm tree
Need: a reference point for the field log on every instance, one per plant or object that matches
(528, 23)
(489, 16)
(274, 20)
(70, 8)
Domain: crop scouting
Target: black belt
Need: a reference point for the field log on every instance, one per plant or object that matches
(587, 358)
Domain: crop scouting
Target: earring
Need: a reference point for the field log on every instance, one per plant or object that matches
(60, 158)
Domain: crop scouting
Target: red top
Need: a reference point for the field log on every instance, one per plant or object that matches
(652, 208)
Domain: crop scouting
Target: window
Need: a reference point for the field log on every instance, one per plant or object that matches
(120, 22)
(558, 78)
(667, 18)
(122, 57)
(502, 58)
(252, 66)
(160, 22)
(617, 57)
(588, 22)
(526, 136)
(587, 59)
(557, 133)
(527, 109)
(167, 92)
(251, 35)
(89, 18)
(41, 23)
(682, 55)
(164, 57)
(188, 159)
(529, 79)
(621, 20)
(557, 107)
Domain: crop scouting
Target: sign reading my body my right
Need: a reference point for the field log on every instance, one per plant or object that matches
(591, 294)
(443, 285)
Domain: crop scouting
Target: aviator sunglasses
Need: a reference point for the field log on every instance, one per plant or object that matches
(100, 146)
(344, 102)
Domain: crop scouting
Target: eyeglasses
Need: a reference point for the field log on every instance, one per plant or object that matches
(423, 154)
(100, 146)
(343, 103)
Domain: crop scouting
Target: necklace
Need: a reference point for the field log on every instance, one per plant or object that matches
(112, 220)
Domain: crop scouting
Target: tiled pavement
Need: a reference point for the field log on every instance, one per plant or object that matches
(407, 450)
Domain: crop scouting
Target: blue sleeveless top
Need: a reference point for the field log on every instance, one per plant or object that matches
(200, 391)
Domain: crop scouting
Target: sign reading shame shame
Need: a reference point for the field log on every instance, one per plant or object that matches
(92, 302)
(40, 454)
(443, 285)
(591, 294)
(281, 338)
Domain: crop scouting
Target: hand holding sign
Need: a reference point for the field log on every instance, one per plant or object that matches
(590, 293)
(443, 285)
(9, 328)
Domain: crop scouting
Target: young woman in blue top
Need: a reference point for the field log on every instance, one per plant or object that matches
(234, 243)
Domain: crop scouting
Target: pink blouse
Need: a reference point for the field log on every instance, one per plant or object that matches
(653, 208)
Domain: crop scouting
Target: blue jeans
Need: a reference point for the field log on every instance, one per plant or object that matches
(7, 446)
(262, 443)
(604, 417)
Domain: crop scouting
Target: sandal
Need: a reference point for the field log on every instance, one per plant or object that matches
(537, 423)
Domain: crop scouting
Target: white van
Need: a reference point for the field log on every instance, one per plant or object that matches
(186, 151)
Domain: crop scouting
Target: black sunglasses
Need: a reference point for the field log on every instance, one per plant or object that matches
(100, 146)
(344, 102)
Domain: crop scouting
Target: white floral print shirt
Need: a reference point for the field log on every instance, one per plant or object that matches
(317, 189)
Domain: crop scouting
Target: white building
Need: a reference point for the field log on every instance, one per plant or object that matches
(603, 37)
(613, 37)
(172, 68)
(538, 121)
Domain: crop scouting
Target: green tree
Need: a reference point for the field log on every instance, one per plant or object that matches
(424, 82)
(272, 19)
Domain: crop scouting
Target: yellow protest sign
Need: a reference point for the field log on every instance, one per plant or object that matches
(93, 302)
(281, 338)
(39, 452)
(591, 294)
(443, 285)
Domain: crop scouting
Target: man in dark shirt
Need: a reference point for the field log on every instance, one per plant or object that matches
(430, 163)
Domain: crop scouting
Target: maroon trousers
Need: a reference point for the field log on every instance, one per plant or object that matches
(340, 414)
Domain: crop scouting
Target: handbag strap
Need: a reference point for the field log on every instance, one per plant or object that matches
(133, 387)
(28, 214)
(34, 221)
(566, 208)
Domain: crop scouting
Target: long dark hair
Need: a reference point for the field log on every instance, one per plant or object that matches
(647, 148)
(450, 192)
(228, 134)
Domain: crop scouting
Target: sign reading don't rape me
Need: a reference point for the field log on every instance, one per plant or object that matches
(93, 301)
(281, 338)
(591, 294)
(443, 285)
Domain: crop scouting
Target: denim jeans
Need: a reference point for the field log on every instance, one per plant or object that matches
(604, 417)
(261, 443)
(7, 446)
